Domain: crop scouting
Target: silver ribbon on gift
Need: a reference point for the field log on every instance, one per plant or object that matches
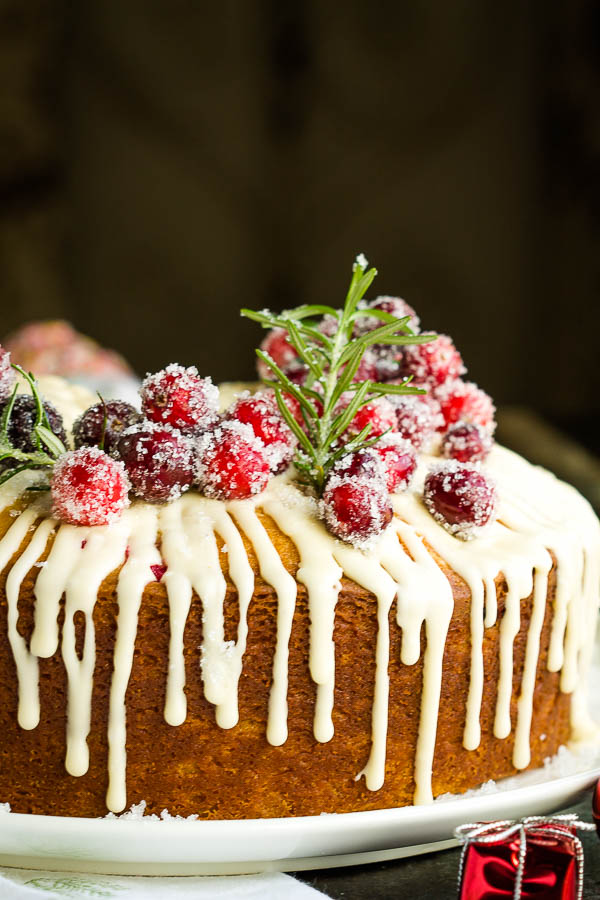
(497, 832)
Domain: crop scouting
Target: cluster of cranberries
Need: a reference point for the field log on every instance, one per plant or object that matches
(454, 417)
(177, 441)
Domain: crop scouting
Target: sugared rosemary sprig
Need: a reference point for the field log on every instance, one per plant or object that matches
(332, 363)
(48, 447)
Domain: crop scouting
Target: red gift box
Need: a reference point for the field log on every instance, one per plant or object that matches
(537, 857)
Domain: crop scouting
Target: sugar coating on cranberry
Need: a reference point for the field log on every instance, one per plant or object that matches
(463, 401)
(89, 487)
(160, 461)
(179, 397)
(364, 463)
(7, 374)
(467, 442)
(378, 413)
(418, 418)
(395, 306)
(231, 462)
(460, 497)
(277, 346)
(355, 509)
(89, 429)
(399, 458)
(432, 363)
(261, 412)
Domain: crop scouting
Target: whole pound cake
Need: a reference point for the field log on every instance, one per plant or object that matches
(337, 594)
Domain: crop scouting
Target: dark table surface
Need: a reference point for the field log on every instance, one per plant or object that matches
(434, 875)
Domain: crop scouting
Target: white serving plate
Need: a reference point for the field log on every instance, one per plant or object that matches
(147, 846)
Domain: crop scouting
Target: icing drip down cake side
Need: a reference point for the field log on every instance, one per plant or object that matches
(329, 593)
(275, 671)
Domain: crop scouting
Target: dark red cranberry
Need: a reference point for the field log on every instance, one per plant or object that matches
(232, 463)
(418, 418)
(467, 442)
(89, 487)
(180, 398)
(261, 412)
(395, 306)
(400, 460)
(160, 462)
(356, 510)
(22, 420)
(460, 497)
(89, 427)
(364, 464)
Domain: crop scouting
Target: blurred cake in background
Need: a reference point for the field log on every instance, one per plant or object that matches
(51, 348)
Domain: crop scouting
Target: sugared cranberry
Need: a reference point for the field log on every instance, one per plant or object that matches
(433, 363)
(89, 487)
(232, 463)
(7, 374)
(89, 427)
(399, 458)
(355, 510)
(463, 401)
(261, 412)
(460, 497)
(418, 418)
(467, 442)
(378, 413)
(395, 306)
(160, 461)
(276, 345)
(180, 398)
(294, 407)
(365, 464)
(22, 420)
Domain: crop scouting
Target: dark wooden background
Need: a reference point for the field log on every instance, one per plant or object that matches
(164, 163)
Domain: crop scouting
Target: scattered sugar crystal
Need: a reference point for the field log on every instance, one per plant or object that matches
(362, 261)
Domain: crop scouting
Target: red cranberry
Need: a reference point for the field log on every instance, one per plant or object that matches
(276, 345)
(400, 460)
(364, 464)
(395, 306)
(159, 461)
(261, 412)
(180, 398)
(418, 418)
(89, 487)
(467, 442)
(7, 375)
(464, 401)
(355, 510)
(378, 413)
(232, 462)
(460, 497)
(89, 427)
(433, 363)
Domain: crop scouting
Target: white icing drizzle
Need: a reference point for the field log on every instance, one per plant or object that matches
(274, 573)
(142, 521)
(539, 518)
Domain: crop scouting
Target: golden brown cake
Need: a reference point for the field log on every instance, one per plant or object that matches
(315, 601)
(487, 642)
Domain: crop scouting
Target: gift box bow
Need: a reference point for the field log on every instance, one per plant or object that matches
(560, 826)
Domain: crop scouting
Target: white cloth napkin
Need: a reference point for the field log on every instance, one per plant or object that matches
(27, 884)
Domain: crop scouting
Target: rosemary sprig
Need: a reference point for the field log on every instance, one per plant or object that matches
(332, 363)
(48, 447)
